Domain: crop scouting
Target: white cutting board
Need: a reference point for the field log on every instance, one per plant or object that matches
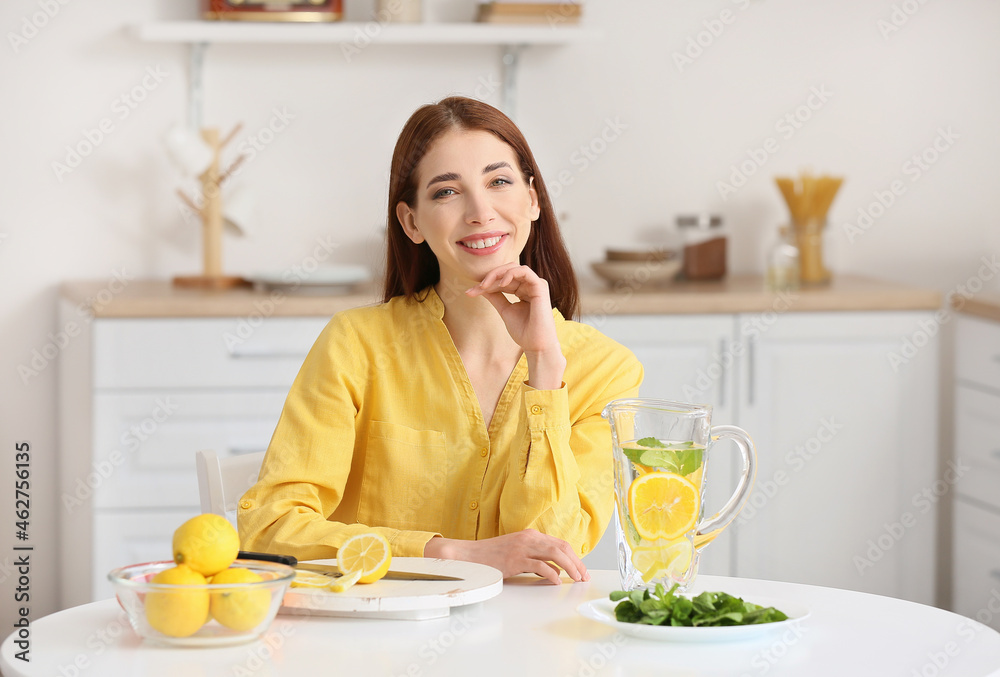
(409, 600)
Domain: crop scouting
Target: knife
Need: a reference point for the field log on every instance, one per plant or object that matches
(334, 572)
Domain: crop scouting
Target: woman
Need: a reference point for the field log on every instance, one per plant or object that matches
(456, 423)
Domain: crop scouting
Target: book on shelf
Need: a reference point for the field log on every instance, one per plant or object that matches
(530, 12)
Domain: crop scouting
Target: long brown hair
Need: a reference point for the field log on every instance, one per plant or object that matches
(411, 267)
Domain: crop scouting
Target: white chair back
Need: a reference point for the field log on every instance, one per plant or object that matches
(222, 481)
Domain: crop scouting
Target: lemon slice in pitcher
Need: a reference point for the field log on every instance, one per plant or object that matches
(663, 559)
(663, 505)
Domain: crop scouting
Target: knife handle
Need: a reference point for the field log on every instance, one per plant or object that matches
(267, 557)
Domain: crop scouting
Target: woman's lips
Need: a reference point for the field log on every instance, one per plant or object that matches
(483, 246)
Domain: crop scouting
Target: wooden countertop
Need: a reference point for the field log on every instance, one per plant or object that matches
(735, 294)
(986, 306)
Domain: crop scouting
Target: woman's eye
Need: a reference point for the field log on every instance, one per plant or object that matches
(500, 181)
(444, 192)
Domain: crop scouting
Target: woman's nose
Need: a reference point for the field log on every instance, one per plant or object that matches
(479, 209)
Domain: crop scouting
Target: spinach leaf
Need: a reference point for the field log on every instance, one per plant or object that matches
(664, 607)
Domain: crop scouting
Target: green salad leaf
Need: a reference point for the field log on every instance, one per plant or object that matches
(665, 607)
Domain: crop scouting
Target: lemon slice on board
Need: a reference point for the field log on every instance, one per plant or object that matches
(309, 579)
(342, 583)
(368, 553)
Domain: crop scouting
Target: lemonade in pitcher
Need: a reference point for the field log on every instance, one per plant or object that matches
(663, 490)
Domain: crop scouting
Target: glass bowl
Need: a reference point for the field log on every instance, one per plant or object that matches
(247, 608)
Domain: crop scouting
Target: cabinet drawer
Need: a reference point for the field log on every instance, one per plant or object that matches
(144, 445)
(977, 444)
(121, 539)
(976, 575)
(193, 353)
(977, 351)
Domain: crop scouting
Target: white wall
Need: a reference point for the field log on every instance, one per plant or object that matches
(325, 175)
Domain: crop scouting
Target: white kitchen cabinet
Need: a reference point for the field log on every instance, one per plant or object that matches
(846, 439)
(976, 530)
(138, 397)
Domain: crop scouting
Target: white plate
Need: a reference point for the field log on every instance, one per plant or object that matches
(327, 278)
(603, 611)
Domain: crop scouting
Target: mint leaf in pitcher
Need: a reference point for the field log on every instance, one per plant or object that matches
(651, 443)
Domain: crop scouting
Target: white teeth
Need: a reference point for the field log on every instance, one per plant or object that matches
(482, 244)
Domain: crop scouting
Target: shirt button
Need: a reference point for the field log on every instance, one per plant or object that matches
(473, 505)
(536, 409)
(584, 548)
(246, 504)
(484, 452)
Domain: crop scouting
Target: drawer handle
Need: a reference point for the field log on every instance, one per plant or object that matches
(266, 353)
(243, 451)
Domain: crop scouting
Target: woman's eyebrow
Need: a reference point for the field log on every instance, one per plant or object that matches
(452, 176)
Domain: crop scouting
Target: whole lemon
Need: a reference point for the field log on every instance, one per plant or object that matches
(207, 543)
(239, 608)
(177, 613)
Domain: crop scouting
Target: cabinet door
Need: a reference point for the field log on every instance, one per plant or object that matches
(976, 579)
(845, 421)
(686, 359)
(144, 444)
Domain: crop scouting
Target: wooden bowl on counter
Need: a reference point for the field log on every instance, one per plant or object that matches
(638, 273)
(640, 254)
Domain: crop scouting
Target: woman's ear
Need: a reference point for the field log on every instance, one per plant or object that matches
(536, 208)
(405, 216)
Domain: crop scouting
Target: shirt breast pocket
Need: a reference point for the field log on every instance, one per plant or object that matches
(406, 478)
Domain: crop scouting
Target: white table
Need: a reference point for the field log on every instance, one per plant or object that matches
(533, 628)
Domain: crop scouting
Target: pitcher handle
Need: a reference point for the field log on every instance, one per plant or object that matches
(709, 529)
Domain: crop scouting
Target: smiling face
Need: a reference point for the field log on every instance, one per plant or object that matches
(473, 207)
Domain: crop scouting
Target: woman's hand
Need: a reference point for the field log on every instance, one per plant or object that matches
(522, 552)
(529, 323)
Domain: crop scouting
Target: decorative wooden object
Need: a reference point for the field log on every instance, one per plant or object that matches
(211, 217)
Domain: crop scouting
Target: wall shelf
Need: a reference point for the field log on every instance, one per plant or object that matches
(340, 33)
(512, 39)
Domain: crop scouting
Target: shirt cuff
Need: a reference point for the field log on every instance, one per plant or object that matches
(410, 543)
(546, 408)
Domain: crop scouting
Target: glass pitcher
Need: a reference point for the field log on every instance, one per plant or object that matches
(661, 450)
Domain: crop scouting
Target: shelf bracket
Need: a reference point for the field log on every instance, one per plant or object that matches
(196, 62)
(511, 61)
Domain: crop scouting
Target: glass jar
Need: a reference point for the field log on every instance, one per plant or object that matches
(783, 262)
(705, 245)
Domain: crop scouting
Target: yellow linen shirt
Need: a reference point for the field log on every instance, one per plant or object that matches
(382, 429)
